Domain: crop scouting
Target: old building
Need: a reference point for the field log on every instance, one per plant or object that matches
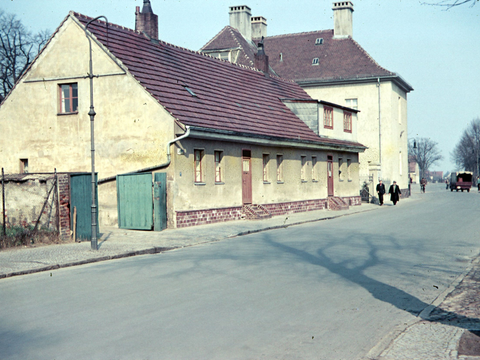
(214, 138)
(330, 65)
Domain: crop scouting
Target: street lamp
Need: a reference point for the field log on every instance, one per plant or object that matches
(92, 114)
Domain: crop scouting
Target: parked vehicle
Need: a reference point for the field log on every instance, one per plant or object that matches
(461, 180)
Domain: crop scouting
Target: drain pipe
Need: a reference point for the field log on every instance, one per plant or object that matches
(156, 167)
(379, 126)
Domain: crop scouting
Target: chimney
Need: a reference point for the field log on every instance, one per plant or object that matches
(240, 19)
(261, 60)
(342, 19)
(146, 21)
(259, 27)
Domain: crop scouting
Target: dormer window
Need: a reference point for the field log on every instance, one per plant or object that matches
(319, 41)
(315, 61)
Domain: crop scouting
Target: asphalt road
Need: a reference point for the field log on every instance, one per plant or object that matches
(326, 290)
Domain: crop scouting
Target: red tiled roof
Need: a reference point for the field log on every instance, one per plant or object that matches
(228, 97)
(338, 58)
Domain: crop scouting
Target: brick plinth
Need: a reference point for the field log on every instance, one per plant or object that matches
(208, 216)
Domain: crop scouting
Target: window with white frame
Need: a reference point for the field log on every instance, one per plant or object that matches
(352, 103)
(266, 158)
(349, 171)
(279, 168)
(314, 168)
(303, 169)
(218, 166)
(198, 165)
(341, 173)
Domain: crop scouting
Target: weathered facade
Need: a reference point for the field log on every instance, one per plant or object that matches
(225, 135)
(331, 66)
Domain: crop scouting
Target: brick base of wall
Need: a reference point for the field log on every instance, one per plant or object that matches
(208, 216)
(353, 200)
(211, 216)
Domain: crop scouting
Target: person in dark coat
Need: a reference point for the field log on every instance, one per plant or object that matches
(380, 191)
(394, 192)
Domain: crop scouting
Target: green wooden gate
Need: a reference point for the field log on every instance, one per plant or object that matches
(141, 205)
(81, 199)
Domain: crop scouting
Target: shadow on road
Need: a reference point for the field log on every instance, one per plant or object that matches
(379, 290)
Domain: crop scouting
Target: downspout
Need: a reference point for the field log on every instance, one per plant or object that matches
(156, 167)
(379, 126)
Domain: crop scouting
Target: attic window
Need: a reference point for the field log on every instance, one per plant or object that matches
(281, 57)
(190, 91)
(319, 41)
(315, 61)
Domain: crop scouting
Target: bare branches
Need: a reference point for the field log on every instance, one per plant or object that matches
(448, 4)
(466, 154)
(426, 153)
(18, 48)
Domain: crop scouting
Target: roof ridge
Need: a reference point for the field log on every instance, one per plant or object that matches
(215, 37)
(299, 34)
(368, 55)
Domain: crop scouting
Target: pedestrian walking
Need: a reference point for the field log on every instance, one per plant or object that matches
(423, 184)
(380, 191)
(394, 192)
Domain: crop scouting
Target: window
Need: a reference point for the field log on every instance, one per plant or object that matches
(400, 164)
(279, 168)
(280, 57)
(303, 169)
(315, 61)
(349, 173)
(347, 121)
(68, 98)
(314, 168)
(352, 103)
(319, 41)
(341, 174)
(327, 117)
(266, 158)
(218, 166)
(198, 154)
(23, 166)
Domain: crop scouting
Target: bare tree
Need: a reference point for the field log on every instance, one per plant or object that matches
(448, 4)
(466, 154)
(425, 152)
(18, 48)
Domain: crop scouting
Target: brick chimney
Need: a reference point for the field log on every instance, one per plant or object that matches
(342, 19)
(261, 59)
(146, 21)
(259, 27)
(240, 19)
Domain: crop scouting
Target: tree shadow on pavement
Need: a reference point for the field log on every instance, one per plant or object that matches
(379, 290)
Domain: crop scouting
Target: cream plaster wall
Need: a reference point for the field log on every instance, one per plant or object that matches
(186, 195)
(393, 122)
(131, 128)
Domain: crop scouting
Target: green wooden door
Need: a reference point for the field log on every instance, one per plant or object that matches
(135, 201)
(81, 199)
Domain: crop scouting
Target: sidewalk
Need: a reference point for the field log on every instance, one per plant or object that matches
(114, 243)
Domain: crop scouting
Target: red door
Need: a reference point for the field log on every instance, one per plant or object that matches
(246, 177)
(330, 175)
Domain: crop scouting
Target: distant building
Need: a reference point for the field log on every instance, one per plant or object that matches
(333, 67)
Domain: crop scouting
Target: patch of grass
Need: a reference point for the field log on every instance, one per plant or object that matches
(21, 236)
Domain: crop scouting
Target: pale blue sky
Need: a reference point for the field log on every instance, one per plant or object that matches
(436, 51)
